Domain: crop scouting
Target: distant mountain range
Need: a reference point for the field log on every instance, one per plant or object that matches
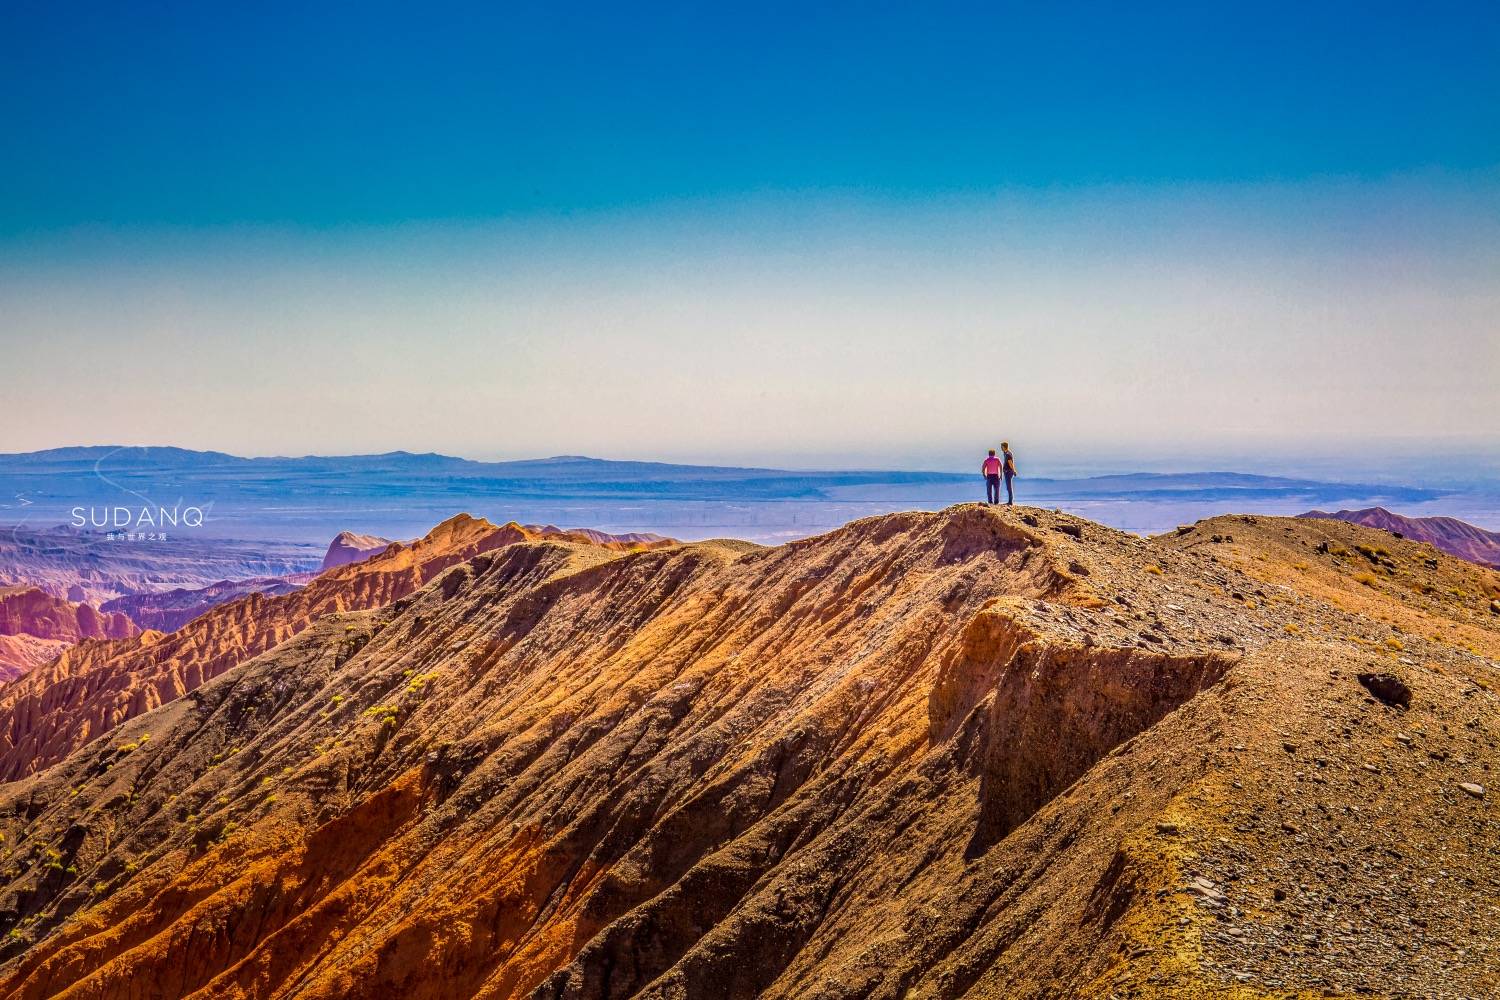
(1449, 534)
(83, 463)
(399, 494)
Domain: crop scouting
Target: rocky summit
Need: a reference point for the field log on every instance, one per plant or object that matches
(985, 752)
(348, 547)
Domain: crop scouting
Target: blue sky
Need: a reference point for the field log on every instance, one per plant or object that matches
(1042, 190)
(324, 115)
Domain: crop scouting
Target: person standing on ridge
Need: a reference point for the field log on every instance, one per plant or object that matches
(991, 469)
(1010, 473)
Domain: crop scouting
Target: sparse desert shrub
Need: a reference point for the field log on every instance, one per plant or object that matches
(421, 681)
(223, 755)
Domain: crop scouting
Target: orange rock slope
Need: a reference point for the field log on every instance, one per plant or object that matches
(95, 686)
(35, 626)
(979, 753)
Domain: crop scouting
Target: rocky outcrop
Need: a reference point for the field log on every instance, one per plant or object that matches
(1043, 712)
(348, 547)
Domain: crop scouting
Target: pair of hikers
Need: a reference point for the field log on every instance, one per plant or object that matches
(993, 468)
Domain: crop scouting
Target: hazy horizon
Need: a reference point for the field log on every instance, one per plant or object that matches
(403, 496)
(1388, 465)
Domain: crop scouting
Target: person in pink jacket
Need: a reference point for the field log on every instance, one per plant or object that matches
(991, 469)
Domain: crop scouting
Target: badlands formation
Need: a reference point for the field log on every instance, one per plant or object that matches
(984, 752)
